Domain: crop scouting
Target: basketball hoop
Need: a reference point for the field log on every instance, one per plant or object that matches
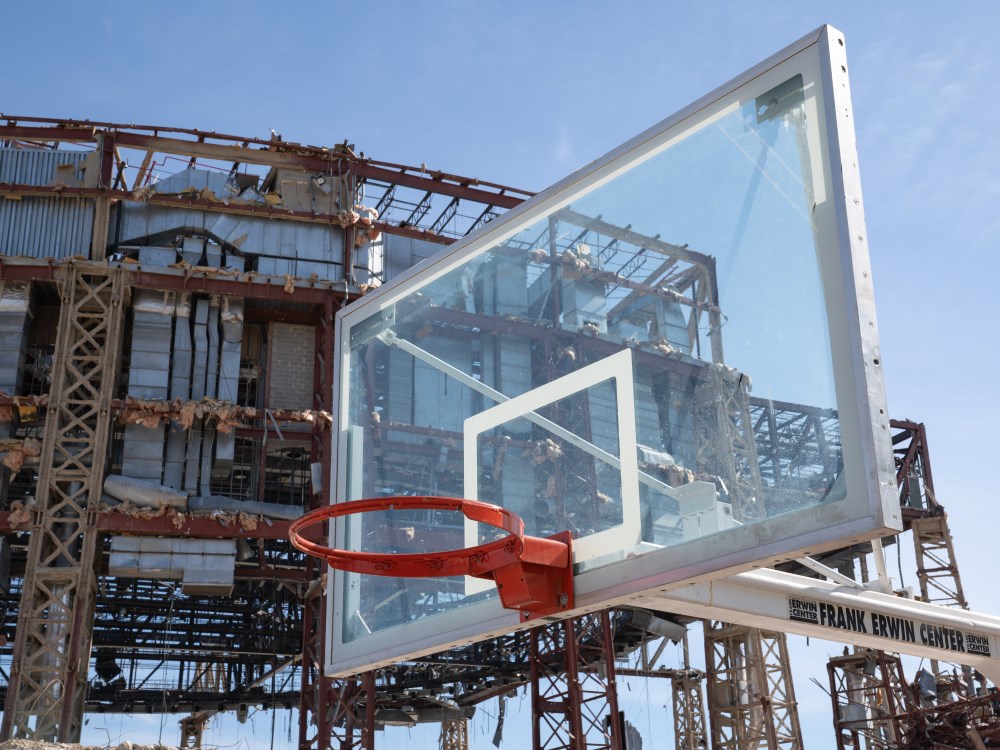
(533, 574)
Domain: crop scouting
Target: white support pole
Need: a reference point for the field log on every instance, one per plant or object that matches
(878, 552)
(827, 572)
(774, 600)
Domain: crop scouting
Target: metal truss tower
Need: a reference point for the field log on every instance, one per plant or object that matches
(573, 689)
(54, 628)
(751, 698)
(192, 731)
(455, 735)
(351, 712)
(689, 709)
(869, 694)
(937, 567)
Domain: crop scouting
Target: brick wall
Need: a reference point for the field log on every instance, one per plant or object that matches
(290, 380)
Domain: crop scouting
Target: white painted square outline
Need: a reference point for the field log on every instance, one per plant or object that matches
(617, 367)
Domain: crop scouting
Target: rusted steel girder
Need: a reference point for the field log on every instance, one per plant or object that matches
(10, 190)
(248, 285)
(274, 153)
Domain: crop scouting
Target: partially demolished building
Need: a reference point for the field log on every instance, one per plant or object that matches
(166, 302)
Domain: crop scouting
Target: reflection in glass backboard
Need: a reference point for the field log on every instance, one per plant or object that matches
(662, 354)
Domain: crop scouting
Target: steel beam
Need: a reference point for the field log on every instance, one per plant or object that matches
(51, 658)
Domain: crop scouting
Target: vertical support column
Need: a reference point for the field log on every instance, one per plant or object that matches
(870, 702)
(352, 715)
(315, 708)
(47, 686)
(725, 439)
(350, 187)
(102, 204)
(454, 735)
(689, 710)
(751, 696)
(192, 730)
(937, 567)
(573, 689)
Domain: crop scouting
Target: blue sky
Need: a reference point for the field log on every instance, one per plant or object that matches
(523, 93)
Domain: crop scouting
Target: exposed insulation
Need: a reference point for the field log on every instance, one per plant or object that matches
(24, 407)
(16, 451)
(20, 514)
(245, 521)
(223, 415)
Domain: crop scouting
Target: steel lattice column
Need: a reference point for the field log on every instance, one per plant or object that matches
(689, 710)
(725, 438)
(314, 708)
(870, 701)
(46, 692)
(751, 697)
(937, 568)
(192, 730)
(573, 691)
(352, 712)
(455, 735)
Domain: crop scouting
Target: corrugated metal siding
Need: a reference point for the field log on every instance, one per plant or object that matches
(46, 227)
(34, 166)
(42, 227)
(285, 246)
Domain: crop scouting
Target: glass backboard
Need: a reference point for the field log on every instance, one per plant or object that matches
(671, 354)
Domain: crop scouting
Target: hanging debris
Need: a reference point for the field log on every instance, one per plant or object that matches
(16, 451)
(20, 407)
(545, 450)
(223, 415)
(574, 264)
(20, 513)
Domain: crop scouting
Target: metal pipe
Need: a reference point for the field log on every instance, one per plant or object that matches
(229, 505)
(144, 493)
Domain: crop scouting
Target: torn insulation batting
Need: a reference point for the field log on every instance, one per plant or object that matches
(223, 415)
(16, 451)
(20, 514)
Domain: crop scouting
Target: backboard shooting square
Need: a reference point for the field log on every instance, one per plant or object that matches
(615, 527)
(671, 353)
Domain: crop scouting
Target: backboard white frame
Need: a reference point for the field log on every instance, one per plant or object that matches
(870, 508)
(617, 367)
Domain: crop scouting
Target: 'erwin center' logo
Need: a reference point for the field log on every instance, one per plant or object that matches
(858, 620)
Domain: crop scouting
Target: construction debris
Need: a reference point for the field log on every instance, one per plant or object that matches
(20, 407)
(575, 265)
(20, 514)
(545, 450)
(20, 744)
(244, 521)
(16, 451)
(223, 415)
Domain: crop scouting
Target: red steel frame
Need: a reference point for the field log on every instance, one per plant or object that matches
(574, 705)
